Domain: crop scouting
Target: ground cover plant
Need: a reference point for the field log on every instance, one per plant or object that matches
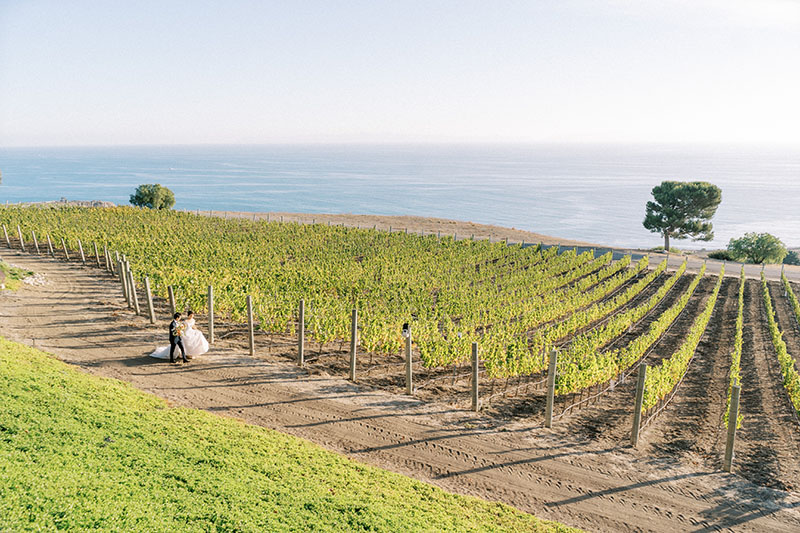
(79, 452)
(11, 277)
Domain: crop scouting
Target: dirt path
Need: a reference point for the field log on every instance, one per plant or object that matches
(692, 425)
(79, 316)
(769, 441)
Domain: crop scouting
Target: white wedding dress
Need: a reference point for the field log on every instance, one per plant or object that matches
(194, 342)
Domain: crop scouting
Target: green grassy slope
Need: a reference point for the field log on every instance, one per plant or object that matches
(80, 452)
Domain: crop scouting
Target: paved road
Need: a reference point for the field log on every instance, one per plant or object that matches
(772, 272)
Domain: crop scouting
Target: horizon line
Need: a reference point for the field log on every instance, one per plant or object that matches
(795, 144)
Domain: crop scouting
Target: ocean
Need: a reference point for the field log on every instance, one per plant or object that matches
(594, 193)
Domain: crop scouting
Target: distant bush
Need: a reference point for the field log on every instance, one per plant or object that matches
(154, 196)
(757, 248)
(792, 258)
(672, 250)
(722, 255)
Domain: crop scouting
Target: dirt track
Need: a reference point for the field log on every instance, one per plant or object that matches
(600, 485)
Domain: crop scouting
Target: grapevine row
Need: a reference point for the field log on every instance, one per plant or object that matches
(584, 365)
(792, 297)
(663, 378)
(791, 379)
(736, 355)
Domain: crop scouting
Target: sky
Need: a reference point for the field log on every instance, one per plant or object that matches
(252, 72)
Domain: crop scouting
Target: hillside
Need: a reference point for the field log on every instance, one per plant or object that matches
(80, 452)
(606, 316)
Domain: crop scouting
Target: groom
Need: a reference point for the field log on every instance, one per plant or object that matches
(175, 338)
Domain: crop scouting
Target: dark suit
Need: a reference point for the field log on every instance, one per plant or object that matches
(175, 340)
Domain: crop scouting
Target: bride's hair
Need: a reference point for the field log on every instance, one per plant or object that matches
(190, 313)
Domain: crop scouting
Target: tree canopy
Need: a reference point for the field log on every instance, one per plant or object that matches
(792, 258)
(154, 196)
(757, 248)
(683, 209)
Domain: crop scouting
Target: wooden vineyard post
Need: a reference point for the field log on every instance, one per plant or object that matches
(127, 272)
(409, 376)
(250, 325)
(171, 293)
(301, 333)
(124, 282)
(5, 232)
(733, 421)
(80, 248)
(551, 388)
(96, 254)
(353, 343)
(50, 247)
(475, 403)
(150, 311)
(123, 277)
(21, 242)
(637, 408)
(211, 314)
(107, 257)
(64, 245)
(134, 296)
(35, 241)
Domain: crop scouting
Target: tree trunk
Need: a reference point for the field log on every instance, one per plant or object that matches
(666, 242)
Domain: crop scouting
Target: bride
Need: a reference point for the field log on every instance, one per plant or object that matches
(194, 342)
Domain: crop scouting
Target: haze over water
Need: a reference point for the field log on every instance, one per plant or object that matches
(587, 192)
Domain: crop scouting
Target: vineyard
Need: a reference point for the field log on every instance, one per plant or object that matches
(516, 302)
(604, 318)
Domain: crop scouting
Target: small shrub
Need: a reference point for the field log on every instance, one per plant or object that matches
(672, 250)
(792, 258)
(722, 255)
